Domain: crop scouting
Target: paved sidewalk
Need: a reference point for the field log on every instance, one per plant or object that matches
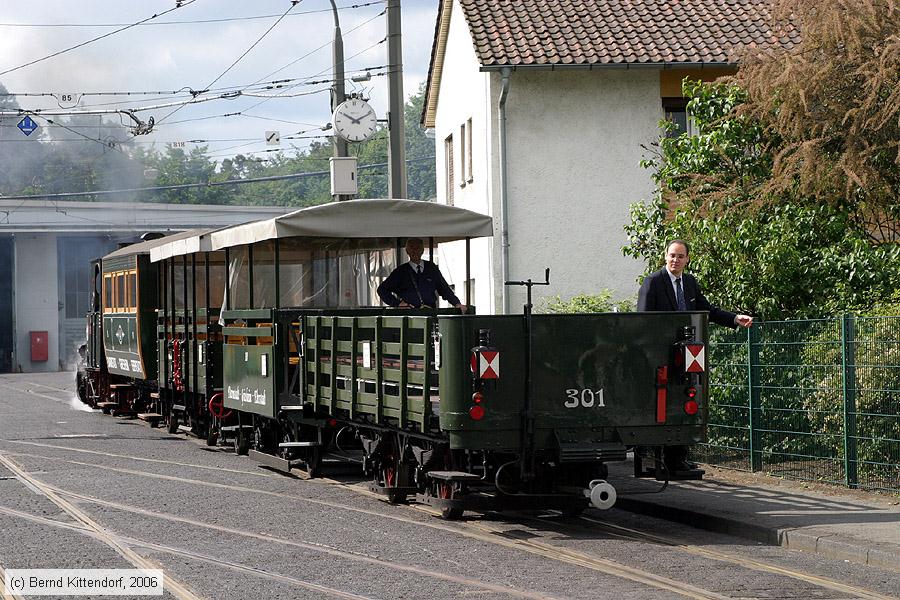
(843, 524)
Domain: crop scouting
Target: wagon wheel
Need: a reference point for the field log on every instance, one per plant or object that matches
(81, 385)
(394, 495)
(448, 491)
(287, 437)
(390, 471)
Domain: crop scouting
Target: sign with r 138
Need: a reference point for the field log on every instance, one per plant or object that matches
(586, 398)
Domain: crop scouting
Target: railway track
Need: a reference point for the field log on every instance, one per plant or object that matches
(480, 529)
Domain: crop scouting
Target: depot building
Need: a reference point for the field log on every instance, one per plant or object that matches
(46, 249)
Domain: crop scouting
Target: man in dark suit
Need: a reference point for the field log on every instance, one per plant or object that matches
(671, 289)
(417, 283)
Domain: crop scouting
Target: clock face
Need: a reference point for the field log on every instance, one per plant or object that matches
(354, 120)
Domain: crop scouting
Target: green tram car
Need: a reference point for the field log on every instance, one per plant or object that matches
(270, 335)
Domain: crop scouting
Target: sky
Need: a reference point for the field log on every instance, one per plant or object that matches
(179, 52)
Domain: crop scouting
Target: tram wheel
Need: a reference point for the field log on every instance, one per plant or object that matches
(314, 462)
(173, 422)
(241, 443)
(262, 439)
(446, 491)
(212, 435)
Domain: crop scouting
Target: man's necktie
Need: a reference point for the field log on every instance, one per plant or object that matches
(679, 295)
(418, 269)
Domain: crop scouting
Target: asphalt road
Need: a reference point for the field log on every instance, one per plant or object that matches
(79, 489)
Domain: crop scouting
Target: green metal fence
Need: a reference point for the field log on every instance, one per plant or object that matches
(815, 400)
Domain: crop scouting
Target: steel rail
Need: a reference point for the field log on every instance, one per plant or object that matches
(171, 584)
(143, 459)
(314, 547)
(749, 563)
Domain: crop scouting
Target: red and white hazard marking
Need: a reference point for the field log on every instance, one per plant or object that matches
(489, 364)
(695, 358)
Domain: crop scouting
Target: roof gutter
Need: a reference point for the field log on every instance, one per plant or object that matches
(606, 66)
(504, 210)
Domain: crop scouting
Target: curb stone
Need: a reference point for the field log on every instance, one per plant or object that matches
(790, 538)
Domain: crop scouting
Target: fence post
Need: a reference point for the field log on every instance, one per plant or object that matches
(753, 396)
(848, 368)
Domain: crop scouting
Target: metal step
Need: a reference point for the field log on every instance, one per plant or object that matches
(233, 428)
(298, 444)
(453, 476)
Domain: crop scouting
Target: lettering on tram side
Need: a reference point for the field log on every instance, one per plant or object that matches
(112, 363)
(123, 364)
(246, 396)
(136, 366)
(585, 397)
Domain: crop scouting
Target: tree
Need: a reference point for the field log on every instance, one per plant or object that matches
(797, 257)
(830, 108)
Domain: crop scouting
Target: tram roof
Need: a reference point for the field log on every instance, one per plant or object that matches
(198, 241)
(370, 218)
(149, 245)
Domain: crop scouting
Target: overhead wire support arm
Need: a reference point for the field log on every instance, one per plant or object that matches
(139, 128)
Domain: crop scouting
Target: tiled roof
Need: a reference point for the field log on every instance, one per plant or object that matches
(610, 32)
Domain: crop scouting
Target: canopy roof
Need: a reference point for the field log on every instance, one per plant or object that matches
(144, 247)
(362, 219)
(196, 241)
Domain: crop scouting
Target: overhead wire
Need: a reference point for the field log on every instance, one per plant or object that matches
(181, 186)
(241, 57)
(100, 37)
(193, 21)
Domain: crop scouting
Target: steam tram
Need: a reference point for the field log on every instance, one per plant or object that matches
(269, 335)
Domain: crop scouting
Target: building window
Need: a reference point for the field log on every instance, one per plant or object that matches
(675, 110)
(448, 168)
(468, 158)
(74, 255)
(462, 155)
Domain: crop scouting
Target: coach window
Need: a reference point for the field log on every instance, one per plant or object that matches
(121, 301)
(188, 280)
(215, 265)
(132, 291)
(239, 277)
(294, 272)
(264, 274)
(107, 292)
(177, 270)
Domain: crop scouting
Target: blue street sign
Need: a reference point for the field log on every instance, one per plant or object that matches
(27, 125)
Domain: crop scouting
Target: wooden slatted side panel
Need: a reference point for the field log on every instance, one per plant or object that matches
(371, 366)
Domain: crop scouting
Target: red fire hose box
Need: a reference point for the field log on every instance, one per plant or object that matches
(39, 345)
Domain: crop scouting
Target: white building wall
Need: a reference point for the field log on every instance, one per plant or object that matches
(36, 299)
(464, 94)
(574, 140)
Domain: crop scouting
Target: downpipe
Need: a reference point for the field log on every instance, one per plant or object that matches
(504, 204)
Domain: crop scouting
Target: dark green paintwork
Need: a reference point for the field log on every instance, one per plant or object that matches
(244, 385)
(138, 330)
(616, 352)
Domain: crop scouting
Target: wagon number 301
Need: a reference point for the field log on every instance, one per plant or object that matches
(586, 397)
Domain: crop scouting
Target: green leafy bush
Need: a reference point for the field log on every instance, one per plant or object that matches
(586, 303)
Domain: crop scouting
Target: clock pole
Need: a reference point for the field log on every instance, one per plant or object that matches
(396, 117)
(338, 93)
